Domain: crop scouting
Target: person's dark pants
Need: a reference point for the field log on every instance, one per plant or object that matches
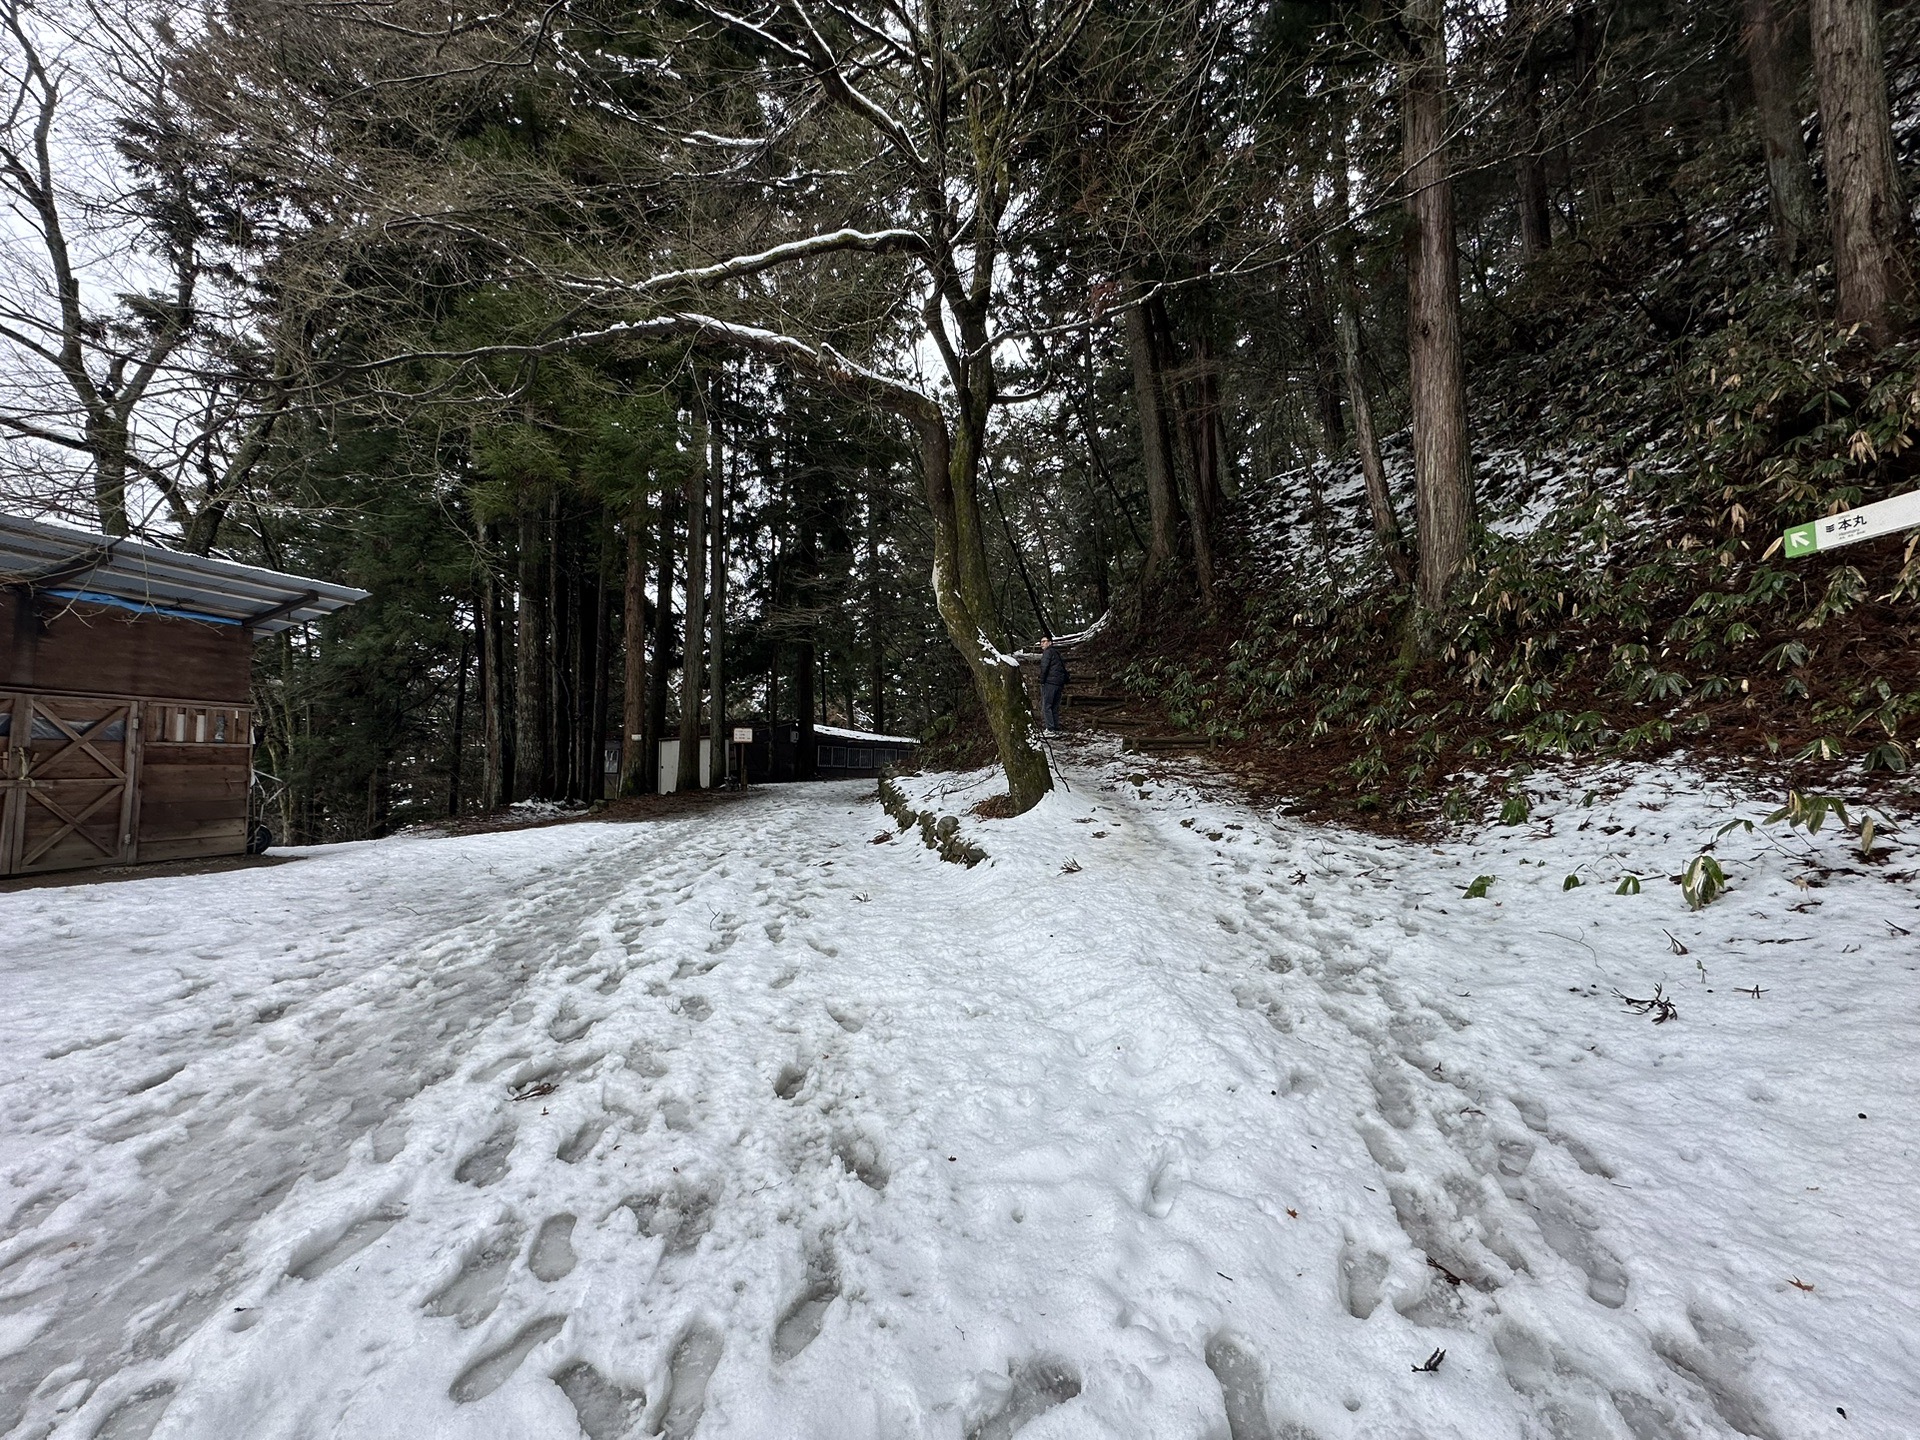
(1050, 705)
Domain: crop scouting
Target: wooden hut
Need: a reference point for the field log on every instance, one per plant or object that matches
(839, 754)
(126, 731)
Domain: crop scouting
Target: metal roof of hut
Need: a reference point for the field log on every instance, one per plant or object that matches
(151, 579)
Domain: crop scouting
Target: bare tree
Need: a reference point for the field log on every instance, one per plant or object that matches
(141, 386)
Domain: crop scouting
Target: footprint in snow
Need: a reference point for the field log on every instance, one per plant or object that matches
(136, 1417)
(567, 1025)
(317, 1257)
(606, 1411)
(1363, 1279)
(33, 1210)
(1716, 1357)
(475, 1290)
(860, 1157)
(680, 1215)
(388, 1139)
(694, 1360)
(552, 1257)
(1568, 1232)
(487, 1162)
(494, 1069)
(847, 1018)
(800, 1325)
(495, 1367)
(1030, 1390)
(1243, 1389)
(1163, 1184)
(577, 1146)
(788, 1082)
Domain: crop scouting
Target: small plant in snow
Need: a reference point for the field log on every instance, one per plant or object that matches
(1629, 885)
(1478, 889)
(1702, 881)
(1809, 812)
(1572, 882)
(1888, 755)
(1516, 810)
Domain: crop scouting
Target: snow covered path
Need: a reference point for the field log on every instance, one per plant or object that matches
(744, 1125)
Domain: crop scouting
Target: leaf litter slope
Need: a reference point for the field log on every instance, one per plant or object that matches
(747, 1125)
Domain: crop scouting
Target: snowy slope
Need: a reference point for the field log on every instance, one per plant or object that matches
(746, 1125)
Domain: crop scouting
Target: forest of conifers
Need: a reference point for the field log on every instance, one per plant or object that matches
(1415, 384)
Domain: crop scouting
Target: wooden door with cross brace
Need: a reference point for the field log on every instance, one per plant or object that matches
(73, 763)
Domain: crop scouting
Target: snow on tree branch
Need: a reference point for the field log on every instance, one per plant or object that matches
(867, 241)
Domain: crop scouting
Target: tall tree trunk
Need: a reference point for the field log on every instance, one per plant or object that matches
(633, 723)
(804, 752)
(1366, 441)
(1795, 212)
(662, 638)
(457, 755)
(1529, 166)
(496, 787)
(962, 578)
(586, 649)
(560, 598)
(877, 620)
(1193, 402)
(529, 681)
(1871, 232)
(1322, 349)
(1442, 462)
(379, 799)
(692, 671)
(717, 587)
(602, 681)
(1156, 462)
(1589, 26)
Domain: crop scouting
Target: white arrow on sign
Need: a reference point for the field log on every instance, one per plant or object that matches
(1869, 522)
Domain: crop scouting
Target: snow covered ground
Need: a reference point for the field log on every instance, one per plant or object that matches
(744, 1125)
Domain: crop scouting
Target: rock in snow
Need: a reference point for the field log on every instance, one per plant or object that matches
(738, 1125)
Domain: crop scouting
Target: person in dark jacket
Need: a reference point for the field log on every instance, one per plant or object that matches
(1053, 683)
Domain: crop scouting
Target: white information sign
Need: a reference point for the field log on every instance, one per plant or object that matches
(1869, 522)
(743, 734)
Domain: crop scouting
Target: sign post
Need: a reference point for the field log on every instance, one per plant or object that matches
(1869, 522)
(742, 735)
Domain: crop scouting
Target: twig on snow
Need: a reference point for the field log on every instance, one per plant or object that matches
(1660, 1007)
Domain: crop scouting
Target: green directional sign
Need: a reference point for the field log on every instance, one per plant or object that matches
(1869, 522)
